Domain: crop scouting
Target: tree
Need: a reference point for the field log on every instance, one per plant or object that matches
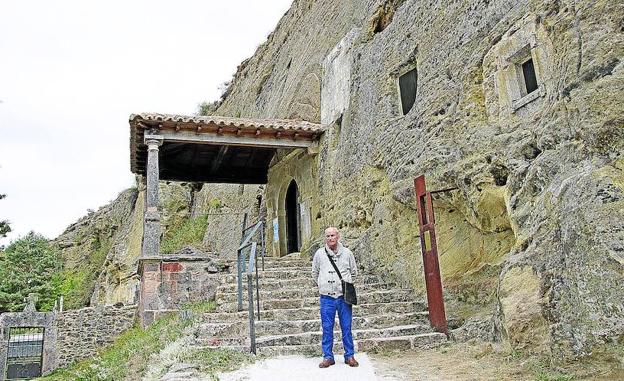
(28, 265)
(207, 108)
(4, 224)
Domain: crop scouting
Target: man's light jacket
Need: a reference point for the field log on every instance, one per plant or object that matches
(324, 274)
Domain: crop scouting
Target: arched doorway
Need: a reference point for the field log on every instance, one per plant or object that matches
(293, 235)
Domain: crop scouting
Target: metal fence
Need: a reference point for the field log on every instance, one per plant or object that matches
(25, 353)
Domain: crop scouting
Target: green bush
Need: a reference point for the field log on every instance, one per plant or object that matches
(28, 266)
(190, 232)
(74, 286)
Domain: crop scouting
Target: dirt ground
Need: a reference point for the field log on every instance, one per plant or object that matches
(481, 361)
(452, 362)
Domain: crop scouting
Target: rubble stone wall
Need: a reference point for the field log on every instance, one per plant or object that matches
(69, 336)
(81, 333)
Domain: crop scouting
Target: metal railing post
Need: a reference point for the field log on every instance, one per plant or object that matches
(239, 267)
(239, 279)
(252, 326)
(262, 241)
(257, 287)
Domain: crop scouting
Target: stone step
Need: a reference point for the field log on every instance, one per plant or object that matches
(297, 283)
(358, 334)
(275, 267)
(314, 337)
(297, 293)
(309, 313)
(275, 274)
(370, 345)
(364, 298)
(301, 282)
(274, 264)
(267, 328)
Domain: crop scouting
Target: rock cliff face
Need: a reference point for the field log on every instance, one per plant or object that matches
(532, 239)
(534, 233)
(87, 245)
(101, 250)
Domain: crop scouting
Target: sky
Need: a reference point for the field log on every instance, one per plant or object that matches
(72, 72)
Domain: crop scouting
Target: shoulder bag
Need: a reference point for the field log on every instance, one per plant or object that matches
(348, 289)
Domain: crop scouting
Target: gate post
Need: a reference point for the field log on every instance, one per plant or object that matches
(433, 281)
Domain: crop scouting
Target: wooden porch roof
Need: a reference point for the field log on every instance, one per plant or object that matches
(214, 148)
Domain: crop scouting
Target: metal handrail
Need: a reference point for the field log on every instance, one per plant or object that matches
(240, 261)
(250, 306)
(248, 239)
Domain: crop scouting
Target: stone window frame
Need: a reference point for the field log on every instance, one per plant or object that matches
(518, 95)
(397, 75)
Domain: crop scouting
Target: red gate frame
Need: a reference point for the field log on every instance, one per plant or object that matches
(433, 281)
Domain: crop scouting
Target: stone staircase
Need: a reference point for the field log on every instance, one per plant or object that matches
(385, 318)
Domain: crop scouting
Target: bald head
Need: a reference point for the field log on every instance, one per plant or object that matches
(331, 237)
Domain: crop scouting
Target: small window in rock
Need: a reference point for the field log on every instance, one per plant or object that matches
(407, 87)
(530, 80)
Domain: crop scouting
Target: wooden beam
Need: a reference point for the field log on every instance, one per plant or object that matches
(233, 140)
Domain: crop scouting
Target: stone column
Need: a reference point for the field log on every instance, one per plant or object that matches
(149, 263)
(151, 225)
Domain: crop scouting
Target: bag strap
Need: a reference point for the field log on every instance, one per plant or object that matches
(333, 264)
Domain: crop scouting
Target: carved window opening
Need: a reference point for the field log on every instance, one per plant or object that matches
(408, 85)
(528, 87)
(528, 73)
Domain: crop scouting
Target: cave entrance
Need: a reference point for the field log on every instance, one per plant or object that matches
(293, 231)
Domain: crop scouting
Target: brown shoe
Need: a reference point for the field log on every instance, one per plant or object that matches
(352, 362)
(326, 363)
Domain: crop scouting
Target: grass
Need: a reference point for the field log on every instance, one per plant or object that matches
(190, 232)
(211, 361)
(129, 354)
(539, 366)
(547, 376)
(128, 357)
(200, 307)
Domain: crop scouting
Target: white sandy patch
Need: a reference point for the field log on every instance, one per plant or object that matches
(299, 368)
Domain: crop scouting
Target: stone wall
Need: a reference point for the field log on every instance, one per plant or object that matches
(69, 336)
(172, 281)
(300, 167)
(81, 333)
(540, 176)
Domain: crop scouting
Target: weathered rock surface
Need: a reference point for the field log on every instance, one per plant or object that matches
(105, 245)
(534, 233)
(540, 175)
(88, 246)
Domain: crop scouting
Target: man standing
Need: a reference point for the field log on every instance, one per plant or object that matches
(332, 300)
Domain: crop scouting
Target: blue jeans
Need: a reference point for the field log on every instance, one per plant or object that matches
(329, 307)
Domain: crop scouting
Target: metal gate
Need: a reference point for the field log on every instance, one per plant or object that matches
(25, 353)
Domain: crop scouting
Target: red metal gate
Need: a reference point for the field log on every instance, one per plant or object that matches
(433, 281)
